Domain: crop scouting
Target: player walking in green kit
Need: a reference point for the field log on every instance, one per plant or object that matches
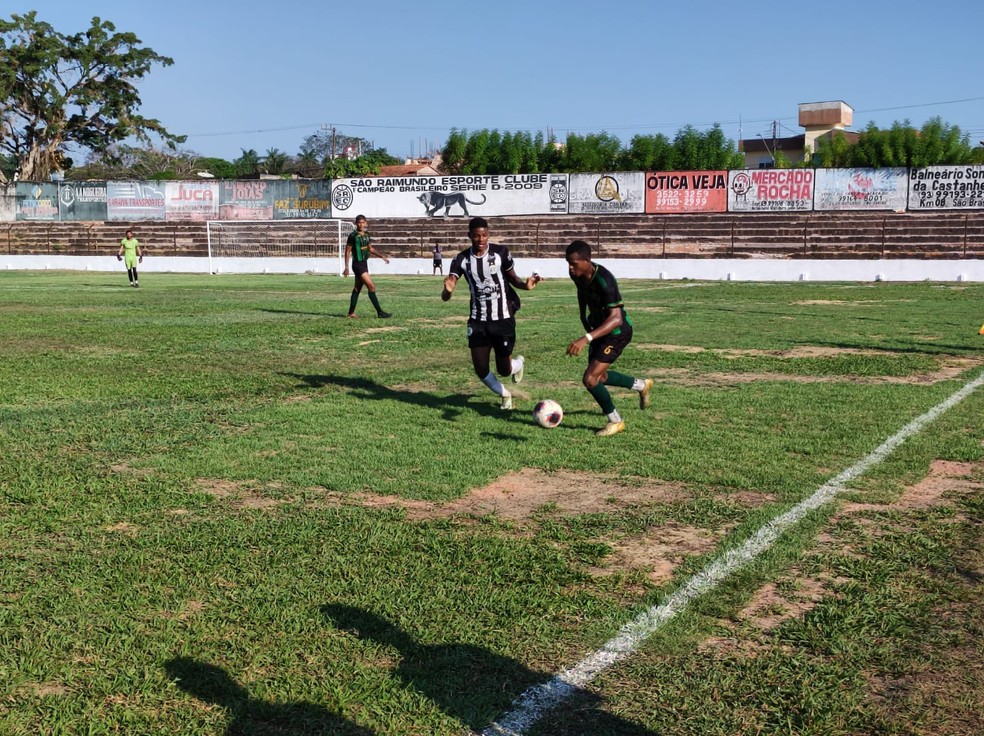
(131, 254)
(608, 332)
(358, 248)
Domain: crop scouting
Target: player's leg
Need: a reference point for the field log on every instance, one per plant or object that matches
(503, 335)
(356, 288)
(642, 385)
(367, 280)
(594, 381)
(608, 351)
(603, 352)
(480, 345)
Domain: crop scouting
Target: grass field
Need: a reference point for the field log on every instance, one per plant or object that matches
(227, 509)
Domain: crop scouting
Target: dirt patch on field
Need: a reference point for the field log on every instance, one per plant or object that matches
(800, 351)
(773, 604)
(659, 551)
(945, 476)
(849, 302)
(949, 369)
(123, 527)
(239, 494)
(43, 689)
(519, 496)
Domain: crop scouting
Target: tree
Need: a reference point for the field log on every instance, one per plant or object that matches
(833, 151)
(593, 152)
(936, 143)
(60, 90)
(275, 162)
(218, 167)
(648, 153)
(328, 144)
(120, 161)
(365, 165)
(453, 155)
(248, 164)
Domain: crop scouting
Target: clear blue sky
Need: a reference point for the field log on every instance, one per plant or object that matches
(262, 74)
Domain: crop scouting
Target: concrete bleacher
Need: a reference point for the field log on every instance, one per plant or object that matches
(814, 235)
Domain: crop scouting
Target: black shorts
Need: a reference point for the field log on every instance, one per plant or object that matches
(437, 264)
(499, 335)
(360, 267)
(607, 349)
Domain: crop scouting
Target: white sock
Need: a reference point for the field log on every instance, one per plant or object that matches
(493, 383)
(515, 365)
(614, 417)
(638, 384)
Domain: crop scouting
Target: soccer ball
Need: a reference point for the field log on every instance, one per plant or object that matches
(548, 413)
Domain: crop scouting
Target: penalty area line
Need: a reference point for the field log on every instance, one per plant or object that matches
(534, 703)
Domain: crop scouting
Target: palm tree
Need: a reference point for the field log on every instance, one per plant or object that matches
(275, 161)
(247, 164)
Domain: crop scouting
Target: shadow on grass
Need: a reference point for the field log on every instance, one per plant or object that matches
(251, 717)
(305, 314)
(451, 406)
(473, 684)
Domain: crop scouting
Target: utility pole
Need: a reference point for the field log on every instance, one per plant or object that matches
(327, 127)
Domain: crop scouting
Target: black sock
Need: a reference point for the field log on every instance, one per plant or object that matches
(375, 301)
(353, 300)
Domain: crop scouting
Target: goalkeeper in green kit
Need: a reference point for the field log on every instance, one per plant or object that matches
(131, 254)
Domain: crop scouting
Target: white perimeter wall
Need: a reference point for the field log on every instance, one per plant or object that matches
(717, 269)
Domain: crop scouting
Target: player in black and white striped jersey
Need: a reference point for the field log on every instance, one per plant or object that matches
(489, 271)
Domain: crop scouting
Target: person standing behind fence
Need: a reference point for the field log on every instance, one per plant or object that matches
(358, 248)
(438, 264)
(131, 254)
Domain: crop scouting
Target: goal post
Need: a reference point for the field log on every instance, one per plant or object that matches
(323, 238)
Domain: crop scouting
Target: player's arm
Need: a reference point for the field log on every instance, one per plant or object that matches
(376, 253)
(519, 283)
(139, 254)
(450, 281)
(348, 258)
(582, 305)
(613, 320)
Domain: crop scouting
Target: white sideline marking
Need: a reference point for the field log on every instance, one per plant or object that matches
(533, 704)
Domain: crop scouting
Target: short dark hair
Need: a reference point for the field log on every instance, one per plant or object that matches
(360, 217)
(581, 249)
(477, 222)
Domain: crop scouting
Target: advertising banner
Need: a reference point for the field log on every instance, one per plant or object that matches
(860, 189)
(191, 200)
(946, 188)
(450, 196)
(37, 202)
(82, 200)
(606, 194)
(686, 191)
(301, 199)
(134, 200)
(770, 190)
(246, 200)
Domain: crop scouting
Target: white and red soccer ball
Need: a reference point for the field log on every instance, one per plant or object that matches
(548, 413)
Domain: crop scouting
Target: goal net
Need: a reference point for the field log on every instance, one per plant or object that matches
(277, 239)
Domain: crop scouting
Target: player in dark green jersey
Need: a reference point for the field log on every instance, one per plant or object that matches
(608, 330)
(358, 248)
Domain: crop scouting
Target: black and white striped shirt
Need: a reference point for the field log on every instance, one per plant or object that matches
(486, 277)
